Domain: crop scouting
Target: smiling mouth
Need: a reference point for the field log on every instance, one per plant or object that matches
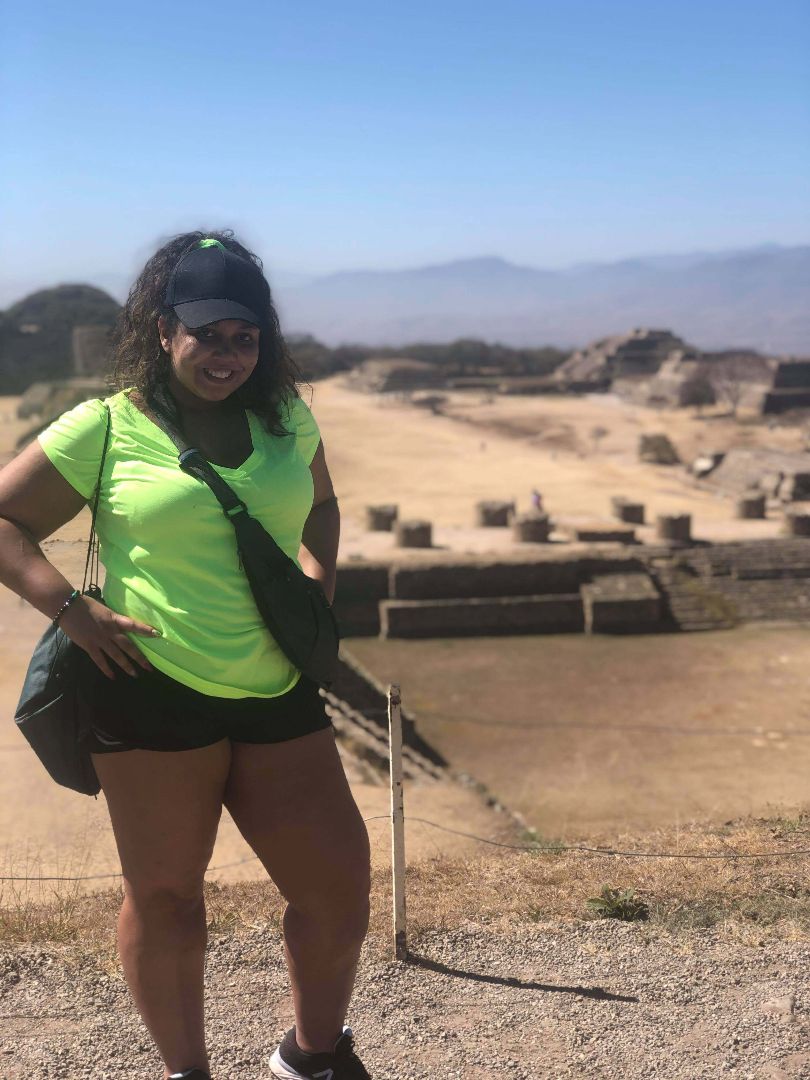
(219, 374)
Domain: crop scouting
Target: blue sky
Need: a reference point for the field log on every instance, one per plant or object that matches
(357, 134)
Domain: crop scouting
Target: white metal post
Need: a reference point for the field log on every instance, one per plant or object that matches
(397, 820)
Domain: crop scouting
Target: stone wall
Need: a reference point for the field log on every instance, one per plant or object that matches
(482, 616)
(359, 589)
(697, 587)
(450, 581)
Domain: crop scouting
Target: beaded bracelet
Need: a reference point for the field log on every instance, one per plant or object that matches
(73, 596)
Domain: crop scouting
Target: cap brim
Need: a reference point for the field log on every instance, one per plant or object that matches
(198, 313)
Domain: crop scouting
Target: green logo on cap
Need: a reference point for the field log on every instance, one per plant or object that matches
(211, 243)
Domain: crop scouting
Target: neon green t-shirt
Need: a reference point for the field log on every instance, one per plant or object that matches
(170, 553)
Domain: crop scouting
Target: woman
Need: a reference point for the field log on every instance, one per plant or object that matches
(191, 703)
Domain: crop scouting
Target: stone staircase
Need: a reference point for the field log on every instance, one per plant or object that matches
(717, 587)
(357, 705)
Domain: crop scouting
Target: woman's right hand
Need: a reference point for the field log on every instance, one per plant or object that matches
(102, 634)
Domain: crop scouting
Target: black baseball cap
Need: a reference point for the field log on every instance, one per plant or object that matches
(211, 283)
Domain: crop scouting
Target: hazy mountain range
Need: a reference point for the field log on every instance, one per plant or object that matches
(756, 297)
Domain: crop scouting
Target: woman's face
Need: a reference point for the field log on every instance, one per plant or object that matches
(209, 363)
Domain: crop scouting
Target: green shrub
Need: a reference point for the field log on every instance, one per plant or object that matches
(618, 904)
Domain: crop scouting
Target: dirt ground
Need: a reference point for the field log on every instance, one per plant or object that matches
(546, 1001)
(381, 450)
(592, 736)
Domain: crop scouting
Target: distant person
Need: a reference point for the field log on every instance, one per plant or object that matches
(190, 703)
(537, 501)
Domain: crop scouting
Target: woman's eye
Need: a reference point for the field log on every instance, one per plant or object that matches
(247, 339)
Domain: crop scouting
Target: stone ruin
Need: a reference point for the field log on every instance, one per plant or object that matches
(43, 402)
(638, 354)
(657, 449)
(681, 380)
(782, 383)
(427, 399)
(776, 474)
(656, 368)
(392, 375)
(91, 350)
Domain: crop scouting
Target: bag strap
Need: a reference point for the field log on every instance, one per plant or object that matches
(92, 545)
(195, 464)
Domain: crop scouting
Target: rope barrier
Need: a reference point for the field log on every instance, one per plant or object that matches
(556, 848)
(553, 849)
(640, 729)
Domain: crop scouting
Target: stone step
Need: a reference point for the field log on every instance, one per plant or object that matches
(621, 604)
(450, 581)
(482, 616)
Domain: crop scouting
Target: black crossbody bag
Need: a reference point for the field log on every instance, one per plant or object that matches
(49, 712)
(293, 605)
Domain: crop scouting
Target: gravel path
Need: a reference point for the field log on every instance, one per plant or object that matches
(585, 1000)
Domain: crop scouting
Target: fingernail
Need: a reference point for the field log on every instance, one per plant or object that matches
(156, 632)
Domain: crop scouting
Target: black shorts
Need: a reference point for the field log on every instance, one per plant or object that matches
(151, 711)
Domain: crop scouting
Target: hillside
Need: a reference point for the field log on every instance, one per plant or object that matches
(35, 333)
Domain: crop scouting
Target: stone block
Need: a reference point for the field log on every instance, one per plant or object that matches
(750, 506)
(490, 512)
(357, 618)
(381, 518)
(603, 534)
(532, 528)
(621, 604)
(627, 510)
(797, 523)
(414, 534)
(362, 580)
(674, 527)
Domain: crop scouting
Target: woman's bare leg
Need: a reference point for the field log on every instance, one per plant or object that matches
(165, 808)
(293, 805)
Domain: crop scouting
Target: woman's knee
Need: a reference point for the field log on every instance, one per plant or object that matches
(177, 898)
(344, 922)
(341, 908)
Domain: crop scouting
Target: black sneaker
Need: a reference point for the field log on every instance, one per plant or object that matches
(289, 1062)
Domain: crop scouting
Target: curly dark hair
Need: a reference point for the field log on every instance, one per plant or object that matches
(138, 358)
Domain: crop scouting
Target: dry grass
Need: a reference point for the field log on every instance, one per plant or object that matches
(747, 900)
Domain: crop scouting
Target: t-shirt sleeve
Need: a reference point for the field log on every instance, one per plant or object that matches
(307, 432)
(74, 442)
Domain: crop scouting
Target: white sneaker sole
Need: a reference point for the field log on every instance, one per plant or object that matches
(282, 1071)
